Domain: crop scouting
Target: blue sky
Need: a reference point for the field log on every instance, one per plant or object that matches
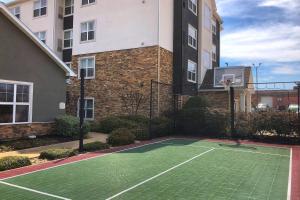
(262, 31)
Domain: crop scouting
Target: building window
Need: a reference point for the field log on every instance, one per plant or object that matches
(192, 37)
(15, 102)
(16, 11)
(192, 69)
(41, 35)
(86, 2)
(87, 31)
(214, 53)
(193, 6)
(68, 39)
(69, 64)
(88, 64)
(207, 17)
(40, 8)
(206, 60)
(214, 27)
(88, 108)
(69, 7)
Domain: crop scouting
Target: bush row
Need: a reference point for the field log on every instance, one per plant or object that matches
(12, 162)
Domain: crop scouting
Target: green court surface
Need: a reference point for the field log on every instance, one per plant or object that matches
(171, 169)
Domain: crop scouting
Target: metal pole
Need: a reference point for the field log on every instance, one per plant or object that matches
(232, 111)
(81, 110)
(150, 114)
(257, 101)
(299, 101)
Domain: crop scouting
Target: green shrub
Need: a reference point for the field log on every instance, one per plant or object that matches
(216, 122)
(53, 154)
(161, 126)
(138, 119)
(141, 133)
(196, 102)
(12, 162)
(110, 124)
(244, 127)
(121, 136)
(68, 126)
(95, 146)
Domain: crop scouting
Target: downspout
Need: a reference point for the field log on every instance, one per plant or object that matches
(158, 60)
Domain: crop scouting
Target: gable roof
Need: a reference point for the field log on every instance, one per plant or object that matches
(208, 81)
(40, 44)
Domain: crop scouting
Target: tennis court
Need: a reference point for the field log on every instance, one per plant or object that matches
(168, 169)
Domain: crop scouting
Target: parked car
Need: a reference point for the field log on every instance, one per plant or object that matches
(262, 107)
(293, 108)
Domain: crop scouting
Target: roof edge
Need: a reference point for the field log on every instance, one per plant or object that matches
(43, 47)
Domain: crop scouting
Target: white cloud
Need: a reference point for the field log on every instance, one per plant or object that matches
(284, 4)
(286, 70)
(266, 43)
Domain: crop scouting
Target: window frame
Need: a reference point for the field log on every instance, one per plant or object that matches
(40, 7)
(78, 107)
(71, 6)
(214, 53)
(188, 71)
(94, 29)
(38, 34)
(191, 3)
(71, 39)
(13, 11)
(15, 103)
(94, 67)
(189, 35)
(88, 4)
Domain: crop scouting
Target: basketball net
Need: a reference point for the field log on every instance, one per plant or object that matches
(227, 84)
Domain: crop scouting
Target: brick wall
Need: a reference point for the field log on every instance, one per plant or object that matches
(16, 131)
(119, 74)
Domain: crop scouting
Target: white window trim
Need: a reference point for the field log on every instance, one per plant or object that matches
(13, 11)
(15, 83)
(64, 39)
(89, 4)
(189, 80)
(65, 10)
(191, 8)
(38, 35)
(95, 28)
(40, 9)
(79, 67)
(194, 47)
(78, 107)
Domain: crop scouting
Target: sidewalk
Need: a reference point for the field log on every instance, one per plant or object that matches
(35, 152)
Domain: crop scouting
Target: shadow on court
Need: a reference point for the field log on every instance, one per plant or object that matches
(237, 145)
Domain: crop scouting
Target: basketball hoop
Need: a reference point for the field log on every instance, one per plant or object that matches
(227, 84)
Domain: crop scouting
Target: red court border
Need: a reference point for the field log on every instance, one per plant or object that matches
(295, 179)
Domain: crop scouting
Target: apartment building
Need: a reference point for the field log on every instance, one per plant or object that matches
(123, 45)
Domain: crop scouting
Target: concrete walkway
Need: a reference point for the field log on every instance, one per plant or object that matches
(35, 152)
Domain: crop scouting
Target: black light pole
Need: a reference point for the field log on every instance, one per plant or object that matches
(298, 84)
(232, 111)
(256, 79)
(81, 109)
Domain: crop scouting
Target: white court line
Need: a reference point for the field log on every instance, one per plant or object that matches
(160, 174)
(289, 196)
(102, 155)
(244, 151)
(32, 190)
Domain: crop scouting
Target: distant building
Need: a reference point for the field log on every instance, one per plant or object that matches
(275, 99)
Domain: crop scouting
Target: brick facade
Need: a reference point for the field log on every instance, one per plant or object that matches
(120, 74)
(16, 131)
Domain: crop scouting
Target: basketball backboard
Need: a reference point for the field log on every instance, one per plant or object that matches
(234, 75)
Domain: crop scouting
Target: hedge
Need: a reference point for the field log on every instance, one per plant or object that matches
(53, 154)
(95, 146)
(121, 137)
(12, 162)
(110, 124)
(68, 126)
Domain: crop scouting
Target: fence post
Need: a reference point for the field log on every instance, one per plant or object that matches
(81, 110)
(150, 113)
(232, 111)
(298, 84)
